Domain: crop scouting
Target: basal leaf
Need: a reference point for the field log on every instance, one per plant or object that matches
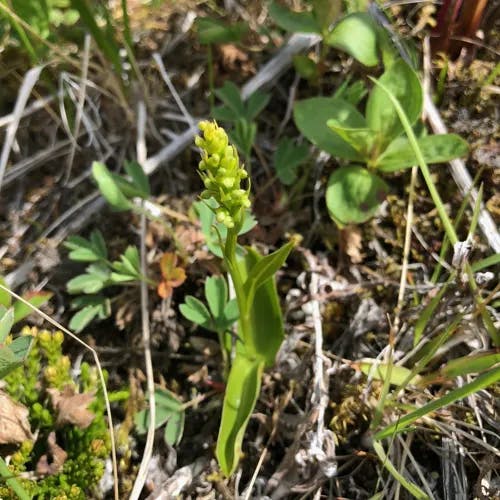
(356, 34)
(381, 114)
(363, 140)
(435, 149)
(354, 194)
(243, 387)
(311, 116)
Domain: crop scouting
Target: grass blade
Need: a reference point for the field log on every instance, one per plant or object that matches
(481, 382)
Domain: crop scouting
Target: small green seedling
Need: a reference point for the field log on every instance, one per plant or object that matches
(220, 315)
(169, 413)
(99, 275)
(241, 113)
(260, 324)
(371, 143)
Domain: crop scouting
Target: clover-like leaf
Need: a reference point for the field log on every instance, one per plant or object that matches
(173, 275)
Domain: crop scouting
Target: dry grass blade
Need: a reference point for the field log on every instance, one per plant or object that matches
(146, 334)
(29, 82)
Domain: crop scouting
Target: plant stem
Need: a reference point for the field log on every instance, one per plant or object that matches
(230, 258)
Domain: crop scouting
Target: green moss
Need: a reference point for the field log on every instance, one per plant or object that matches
(47, 368)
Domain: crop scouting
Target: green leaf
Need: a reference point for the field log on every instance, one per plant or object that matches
(243, 135)
(174, 428)
(36, 299)
(352, 93)
(300, 22)
(231, 312)
(255, 104)
(85, 283)
(481, 382)
(98, 244)
(265, 268)
(169, 410)
(435, 149)
(109, 188)
(381, 115)
(216, 294)
(6, 323)
(8, 361)
(5, 297)
(215, 31)
(429, 310)
(13, 355)
(230, 95)
(492, 260)
(379, 371)
(305, 67)
(128, 265)
(287, 158)
(311, 116)
(326, 12)
(21, 346)
(356, 34)
(354, 194)
(195, 310)
(363, 140)
(83, 317)
(243, 387)
(83, 250)
(224, 114)
(266, 319)
(470, 364)
(139, 178)
(104, 37)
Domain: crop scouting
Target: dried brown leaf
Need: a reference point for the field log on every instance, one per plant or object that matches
(58, 455)
(71, 407)
(14, 424)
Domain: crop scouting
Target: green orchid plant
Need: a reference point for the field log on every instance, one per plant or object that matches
(260, 325)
